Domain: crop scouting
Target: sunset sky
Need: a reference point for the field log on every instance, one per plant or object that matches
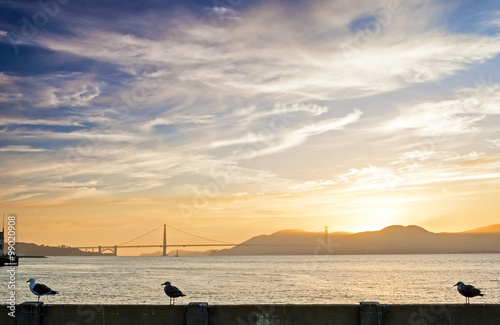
(234, 118)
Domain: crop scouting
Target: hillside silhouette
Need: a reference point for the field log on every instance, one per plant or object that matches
(390, 240)
(30, 249)
(485, 230)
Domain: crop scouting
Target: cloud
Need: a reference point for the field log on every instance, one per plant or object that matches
(495, 143)
(89, 139)
(279, 111)
(449, 117)
(224, 13)
(221, 78)
(73, 94)
(182, 119)
(312, 109)
(21, 149)
(270, 143)
(491, 19)
(247, 139)
(49, 91)
(264, 55)
(27, 121)
(423, 171)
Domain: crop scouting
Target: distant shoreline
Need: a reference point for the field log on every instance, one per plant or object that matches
(186, 256)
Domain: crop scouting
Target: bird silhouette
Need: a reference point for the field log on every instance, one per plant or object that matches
(172, 292)
(39, 289)
(467, 291)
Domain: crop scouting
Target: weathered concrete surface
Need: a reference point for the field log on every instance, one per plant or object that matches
(30, 314)
(441, 314)
(204, 314)
(93, 314)
(283, 314)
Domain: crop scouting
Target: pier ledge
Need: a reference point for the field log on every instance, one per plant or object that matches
(201, 313)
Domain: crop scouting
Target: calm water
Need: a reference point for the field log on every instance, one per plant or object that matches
(261, 279)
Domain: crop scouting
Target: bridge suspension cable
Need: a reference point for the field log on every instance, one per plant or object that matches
(185, 232)
(182, 231)
(140, 236)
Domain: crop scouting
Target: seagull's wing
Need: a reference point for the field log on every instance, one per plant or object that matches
(177, 292)
(471, 291)
(41, 289)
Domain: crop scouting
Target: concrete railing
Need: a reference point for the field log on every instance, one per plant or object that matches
(369, 313)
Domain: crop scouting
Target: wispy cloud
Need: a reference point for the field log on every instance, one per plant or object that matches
(182, 119)
(260, 145)
(73, 89)
(292, 61)
(493, 143)
(450, 117)
(27, 121)
(20, 149)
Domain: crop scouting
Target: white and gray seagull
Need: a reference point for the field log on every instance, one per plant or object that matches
(172, 292)
(39, 289)
(468, 291)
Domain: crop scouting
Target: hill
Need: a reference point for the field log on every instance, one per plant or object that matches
(30, 249)
(485, 230)
(390, 240)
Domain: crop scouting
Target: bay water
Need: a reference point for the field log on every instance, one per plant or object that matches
(325, 279)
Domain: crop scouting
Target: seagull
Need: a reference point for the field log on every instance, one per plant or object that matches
(172, 292)
(467, 291)
(39, 289)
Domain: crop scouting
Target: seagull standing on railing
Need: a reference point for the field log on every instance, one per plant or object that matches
(39, 289)
(172, 292)
(467, 291)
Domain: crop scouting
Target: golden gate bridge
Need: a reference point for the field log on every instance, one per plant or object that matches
(113, 249)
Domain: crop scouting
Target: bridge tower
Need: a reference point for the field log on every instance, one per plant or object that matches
(164, 240)
(326, 234)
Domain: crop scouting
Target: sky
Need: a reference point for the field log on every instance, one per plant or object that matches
(235, 118)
